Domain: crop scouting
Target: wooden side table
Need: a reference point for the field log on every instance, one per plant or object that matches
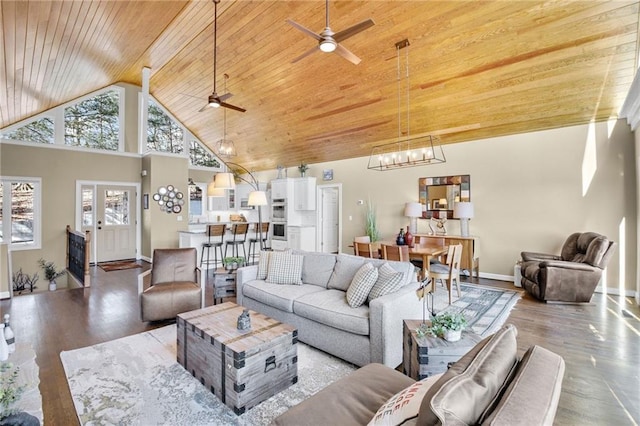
(224, 284)
(427, 356)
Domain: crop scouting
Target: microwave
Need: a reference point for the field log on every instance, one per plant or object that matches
(278, 212)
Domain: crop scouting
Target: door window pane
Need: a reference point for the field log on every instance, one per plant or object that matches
(22, 212)
(87, 207)
(195, 200)
(116, 207)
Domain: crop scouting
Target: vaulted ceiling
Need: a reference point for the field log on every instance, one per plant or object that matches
(477, 69)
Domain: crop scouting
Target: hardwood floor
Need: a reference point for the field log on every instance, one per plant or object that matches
(599, 341)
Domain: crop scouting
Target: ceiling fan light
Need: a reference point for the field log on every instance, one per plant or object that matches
(328, 45)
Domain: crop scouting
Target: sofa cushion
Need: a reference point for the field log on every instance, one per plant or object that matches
(388, 281)
(317, 267)
(277, 295)
(344, 271)
(464, 392)
(352, 400)
(537, 383)
(404, 405)
(361, 285)
(285, 268)
(330, 307)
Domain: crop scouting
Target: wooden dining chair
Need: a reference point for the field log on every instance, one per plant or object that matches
(360, 239)
(449, 272)
(365, 250)
(399, 253)
(430, 241)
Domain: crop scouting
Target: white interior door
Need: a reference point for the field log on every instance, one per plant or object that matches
(115, 222)
(329, 219)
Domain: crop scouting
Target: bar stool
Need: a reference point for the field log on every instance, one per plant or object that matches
(239, 232)
(213, 231)
(254, 240)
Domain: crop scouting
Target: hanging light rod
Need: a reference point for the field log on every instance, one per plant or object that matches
(407, 151)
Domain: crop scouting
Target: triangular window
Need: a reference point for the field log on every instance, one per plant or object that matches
(199, 156)
(41, 131)
(163, 133)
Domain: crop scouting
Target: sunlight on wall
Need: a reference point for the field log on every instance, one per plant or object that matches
(622, 255)
(589, 161)
(611, 124)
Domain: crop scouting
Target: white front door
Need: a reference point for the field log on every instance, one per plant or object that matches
(115, 222)
(329, 218)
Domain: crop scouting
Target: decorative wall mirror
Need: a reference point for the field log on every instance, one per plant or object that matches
(439, 194)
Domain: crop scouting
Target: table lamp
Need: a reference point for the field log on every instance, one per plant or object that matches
(463, 210)
(413, 211)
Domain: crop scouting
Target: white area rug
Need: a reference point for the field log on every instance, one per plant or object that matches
(137, 381)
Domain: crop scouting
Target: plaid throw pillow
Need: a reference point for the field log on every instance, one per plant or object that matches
(389, 281)
(263, 263)
(361, 285)
(285, 268)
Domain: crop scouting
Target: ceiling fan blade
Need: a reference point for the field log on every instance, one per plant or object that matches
(226, 105)
(305, 54)
(342, 51)
(204, 108)
(353, 30)
(305, 30)
(225, 97)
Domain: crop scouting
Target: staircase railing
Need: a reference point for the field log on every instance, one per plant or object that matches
(79, 255)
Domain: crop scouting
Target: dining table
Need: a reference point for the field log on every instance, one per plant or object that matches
(424, 253)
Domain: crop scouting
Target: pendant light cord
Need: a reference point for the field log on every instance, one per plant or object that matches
(215, 41)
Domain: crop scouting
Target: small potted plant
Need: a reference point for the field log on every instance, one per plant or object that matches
(233, 263)
(51, 273)
(302, 168)
(447, 325)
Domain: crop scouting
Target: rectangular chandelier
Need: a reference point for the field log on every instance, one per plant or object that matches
(418, 151)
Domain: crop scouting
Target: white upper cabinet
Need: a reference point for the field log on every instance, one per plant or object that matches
(304, 193)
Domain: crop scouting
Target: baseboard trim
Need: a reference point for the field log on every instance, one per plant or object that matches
(497, 276)
(5, 295)
(617, 292)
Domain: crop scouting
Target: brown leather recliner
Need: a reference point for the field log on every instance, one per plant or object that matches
(572, 276)
(174, 286)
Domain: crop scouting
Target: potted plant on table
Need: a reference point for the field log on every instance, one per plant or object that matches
(51, 273)
(233, 263)
(448, 325)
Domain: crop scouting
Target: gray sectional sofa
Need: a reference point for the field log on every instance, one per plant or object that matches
(319, 310)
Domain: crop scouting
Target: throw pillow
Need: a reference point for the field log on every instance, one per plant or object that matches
(389, 281)
(263, 264)
(361, 285)
(285, 268)
(478, 375)
(404, 405)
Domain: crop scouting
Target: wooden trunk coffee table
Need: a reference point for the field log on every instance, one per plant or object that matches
(427, 356)
(241, 368)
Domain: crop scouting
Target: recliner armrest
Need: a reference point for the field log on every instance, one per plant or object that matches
(528, 256)
(576, 266)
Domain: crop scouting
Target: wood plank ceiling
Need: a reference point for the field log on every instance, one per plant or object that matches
(477, 69)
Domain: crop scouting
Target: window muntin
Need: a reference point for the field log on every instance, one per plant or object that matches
(94, 122)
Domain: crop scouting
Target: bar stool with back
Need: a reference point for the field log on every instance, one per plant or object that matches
(262, 233)
(239, 232)
(213, 232)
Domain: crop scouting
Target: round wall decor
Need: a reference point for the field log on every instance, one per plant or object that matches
(169, 198)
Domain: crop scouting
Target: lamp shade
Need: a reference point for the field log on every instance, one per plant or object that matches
(463, 209)
(225, 181)
(442, 202)
(212, 191)
(413, 209)
(257, 198)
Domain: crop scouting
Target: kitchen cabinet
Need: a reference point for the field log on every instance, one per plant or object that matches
(223, 203)
(302, 237)
(304, 193)
(281, 189)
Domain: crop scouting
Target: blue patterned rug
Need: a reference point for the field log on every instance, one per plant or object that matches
(485, 308)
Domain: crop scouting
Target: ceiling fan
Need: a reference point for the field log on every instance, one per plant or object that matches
(328, 41)
(215, 101)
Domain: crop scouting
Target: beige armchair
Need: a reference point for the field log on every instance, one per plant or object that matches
(174, 286)
(573, 275)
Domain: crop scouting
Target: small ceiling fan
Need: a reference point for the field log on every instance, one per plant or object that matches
(215, 101)
(328, 41)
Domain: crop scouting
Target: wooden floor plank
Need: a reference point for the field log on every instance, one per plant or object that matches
(599, 341)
